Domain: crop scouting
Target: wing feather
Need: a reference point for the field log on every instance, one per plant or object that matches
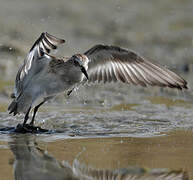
(44, 44)
(140, 77)
(161, 76)
(111, 63)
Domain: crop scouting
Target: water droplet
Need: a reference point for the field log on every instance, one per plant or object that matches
(42, 20)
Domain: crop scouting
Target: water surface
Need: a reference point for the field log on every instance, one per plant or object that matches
(33, 155)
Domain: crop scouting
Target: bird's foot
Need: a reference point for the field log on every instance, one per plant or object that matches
(27, 128)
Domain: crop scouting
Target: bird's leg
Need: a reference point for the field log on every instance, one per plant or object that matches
(35, 111)
(26, 116)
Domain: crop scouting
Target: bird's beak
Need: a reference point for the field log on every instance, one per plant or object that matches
(84, 71)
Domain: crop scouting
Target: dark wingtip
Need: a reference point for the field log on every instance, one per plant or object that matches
(47, 42)
(185, 85)
(58, 40)
(179, 87)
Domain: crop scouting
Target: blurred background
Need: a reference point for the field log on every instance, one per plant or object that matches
(159, 30)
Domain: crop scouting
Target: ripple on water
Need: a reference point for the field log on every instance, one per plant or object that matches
(148, 118)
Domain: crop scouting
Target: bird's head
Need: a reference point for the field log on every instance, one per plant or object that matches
(81, 61)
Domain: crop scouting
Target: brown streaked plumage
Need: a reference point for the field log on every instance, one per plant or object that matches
(43, 76)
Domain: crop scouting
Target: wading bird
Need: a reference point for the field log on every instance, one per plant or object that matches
(43, 76)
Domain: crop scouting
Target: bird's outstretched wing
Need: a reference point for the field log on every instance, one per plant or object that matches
(43, 45)
(111, 64)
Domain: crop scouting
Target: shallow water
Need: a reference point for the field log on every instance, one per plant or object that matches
(155, 133)
(44, 157)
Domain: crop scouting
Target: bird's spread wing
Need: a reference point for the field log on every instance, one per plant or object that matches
(111, 64)
(43, 45)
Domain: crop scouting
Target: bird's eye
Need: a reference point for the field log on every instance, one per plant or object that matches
(76, 63)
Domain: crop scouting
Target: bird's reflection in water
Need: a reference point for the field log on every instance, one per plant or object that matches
(31, 162)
